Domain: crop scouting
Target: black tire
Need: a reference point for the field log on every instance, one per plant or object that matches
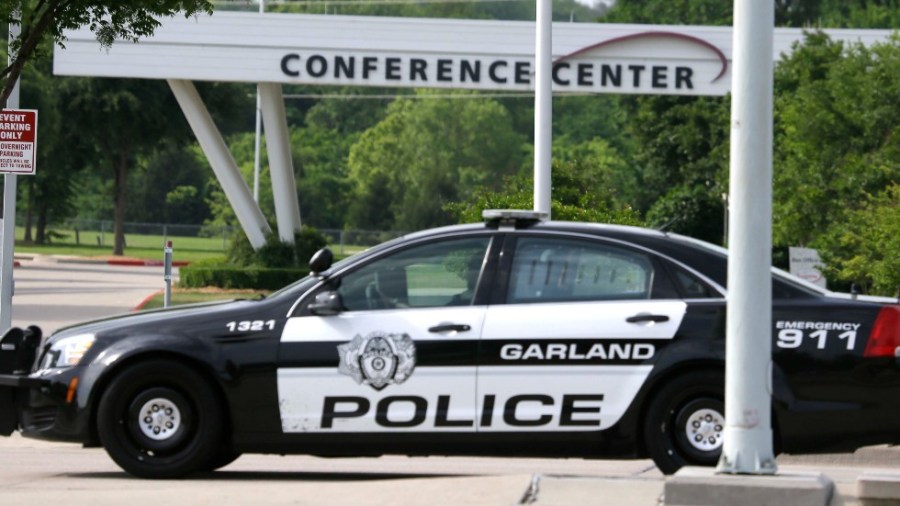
(223, 457)
(684, 421)
(161, 419)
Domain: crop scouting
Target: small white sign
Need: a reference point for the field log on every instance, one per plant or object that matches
(18, 141)
(806, 264)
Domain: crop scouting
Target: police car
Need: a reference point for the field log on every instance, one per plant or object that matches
(518, 337)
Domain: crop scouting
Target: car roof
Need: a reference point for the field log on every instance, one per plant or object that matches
(699, 256)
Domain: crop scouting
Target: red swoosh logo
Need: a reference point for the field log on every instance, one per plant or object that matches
(654, 34)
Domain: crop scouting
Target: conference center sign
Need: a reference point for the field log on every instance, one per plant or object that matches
(424, 53)
(594, 68)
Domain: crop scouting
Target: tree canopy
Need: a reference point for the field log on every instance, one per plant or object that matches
(39, 20)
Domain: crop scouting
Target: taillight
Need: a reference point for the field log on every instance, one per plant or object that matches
(884, 340)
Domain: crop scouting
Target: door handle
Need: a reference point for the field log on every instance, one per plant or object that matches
(646, 317)
(448, 327)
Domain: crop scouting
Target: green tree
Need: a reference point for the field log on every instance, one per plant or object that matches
(581, 192)
(242, 147)
(425, 153)
(680, 167)
(680, 162)
(47, 19)
(322, 150)
(707, 12)
(169, 186)
(105, 112)
(797, 13)
(563, 10)
(837, 150)
(47, 194)
(865, 249)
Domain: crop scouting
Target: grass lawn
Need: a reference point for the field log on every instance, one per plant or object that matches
(147, 247)
(190, 296)
(150, 247)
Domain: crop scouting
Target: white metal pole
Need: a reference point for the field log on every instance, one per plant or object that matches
(543, 105)
(262, 9)
(747, 439)
(8, 239)
(8, 252)
(167, 273)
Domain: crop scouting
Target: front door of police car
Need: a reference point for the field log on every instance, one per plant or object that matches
(576, 338)
(401, 357)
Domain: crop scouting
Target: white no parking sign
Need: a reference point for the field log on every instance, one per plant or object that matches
(18, 140)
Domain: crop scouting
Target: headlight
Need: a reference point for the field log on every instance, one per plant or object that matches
(67, 351)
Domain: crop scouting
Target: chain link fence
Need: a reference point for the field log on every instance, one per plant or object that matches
(100, 232)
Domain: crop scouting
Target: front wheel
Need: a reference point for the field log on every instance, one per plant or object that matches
(161, 419)
(684, 422)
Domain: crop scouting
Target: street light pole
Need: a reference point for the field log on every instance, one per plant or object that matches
(747, 439)
(543, 105)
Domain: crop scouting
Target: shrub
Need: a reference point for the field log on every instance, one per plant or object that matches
(273, 266)
(234, 277)
(275, 253)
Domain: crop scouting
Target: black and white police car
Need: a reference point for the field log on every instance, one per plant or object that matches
(516, 337)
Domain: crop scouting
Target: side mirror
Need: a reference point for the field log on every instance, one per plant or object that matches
(321, 261)
(327, 304)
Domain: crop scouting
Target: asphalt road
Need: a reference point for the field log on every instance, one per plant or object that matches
(53, 294)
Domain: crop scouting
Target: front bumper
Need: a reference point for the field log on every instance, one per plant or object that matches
(40, 406)
(15, 391)
(36, 403)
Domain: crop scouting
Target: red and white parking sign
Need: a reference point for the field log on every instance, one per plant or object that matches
(18, 140)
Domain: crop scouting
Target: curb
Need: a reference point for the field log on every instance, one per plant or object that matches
(147, 299)
(143, 263)
(111, 261)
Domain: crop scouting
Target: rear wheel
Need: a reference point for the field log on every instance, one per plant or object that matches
(223, 457)
(684, 422)
(161, 419)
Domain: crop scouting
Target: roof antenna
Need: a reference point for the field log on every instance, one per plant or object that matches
(665, 226)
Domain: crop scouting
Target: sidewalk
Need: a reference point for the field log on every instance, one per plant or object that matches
(855, 477)
(54, 292)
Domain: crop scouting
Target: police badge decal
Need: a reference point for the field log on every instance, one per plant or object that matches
(379, 359)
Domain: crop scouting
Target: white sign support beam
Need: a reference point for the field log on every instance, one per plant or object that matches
(223, 164)
(281, 164)
(747, 439)
(543, 106)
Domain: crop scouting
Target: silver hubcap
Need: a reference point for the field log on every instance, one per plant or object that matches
(160, 419)
(704, 429)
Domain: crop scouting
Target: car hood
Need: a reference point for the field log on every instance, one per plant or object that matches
(157, 319)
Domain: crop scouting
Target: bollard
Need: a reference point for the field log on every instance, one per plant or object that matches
(167, 273)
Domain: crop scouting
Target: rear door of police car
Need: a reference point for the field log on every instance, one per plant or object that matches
(401, 355)
(573, 335)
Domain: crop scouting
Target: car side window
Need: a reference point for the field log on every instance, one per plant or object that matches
(560, 270)
(444, 273)
(692, 287)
